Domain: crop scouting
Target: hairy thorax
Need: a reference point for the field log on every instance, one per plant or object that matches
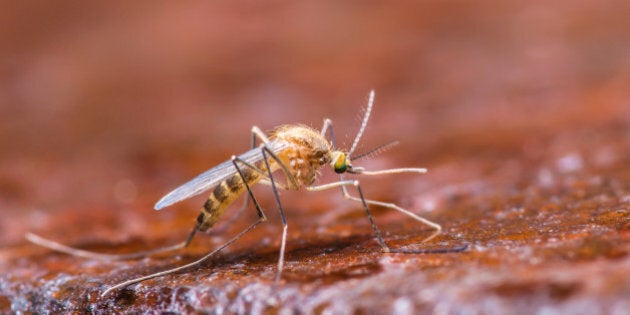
(308, 151)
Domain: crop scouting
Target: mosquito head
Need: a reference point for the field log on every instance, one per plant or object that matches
(339, 162)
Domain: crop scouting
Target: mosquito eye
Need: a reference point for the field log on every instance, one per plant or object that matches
(340, 165)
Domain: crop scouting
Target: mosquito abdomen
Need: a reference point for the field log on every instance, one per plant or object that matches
(223, 196)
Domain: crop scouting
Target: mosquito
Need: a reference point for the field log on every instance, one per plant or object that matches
(295, 151)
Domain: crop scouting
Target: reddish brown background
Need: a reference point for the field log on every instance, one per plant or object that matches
(519, 109)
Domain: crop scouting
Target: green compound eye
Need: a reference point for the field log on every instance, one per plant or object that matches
(340, 165)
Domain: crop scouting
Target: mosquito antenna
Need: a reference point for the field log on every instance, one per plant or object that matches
(378, 150)
(366, 117)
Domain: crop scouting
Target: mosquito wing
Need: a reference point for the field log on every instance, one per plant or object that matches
(215, 175)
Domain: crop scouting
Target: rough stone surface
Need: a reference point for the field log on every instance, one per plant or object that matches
(521, 112)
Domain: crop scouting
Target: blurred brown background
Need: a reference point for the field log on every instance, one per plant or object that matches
(106, 107)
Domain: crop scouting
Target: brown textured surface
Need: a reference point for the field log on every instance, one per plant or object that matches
(520, 112)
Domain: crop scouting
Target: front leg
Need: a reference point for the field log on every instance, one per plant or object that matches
(365, 202)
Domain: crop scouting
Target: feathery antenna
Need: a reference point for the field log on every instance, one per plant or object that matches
(368, 110)
(378, 150)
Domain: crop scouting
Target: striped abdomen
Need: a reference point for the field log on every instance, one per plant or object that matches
(224, 195)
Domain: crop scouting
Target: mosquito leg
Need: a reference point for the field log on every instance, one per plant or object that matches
(290, 178)
(328, 127)
(50, 244)
(283, 243)
(362, 171)
(261, 218)
(58, 247)
(256, 133)
(266, 152)
(365, 202)
(437, 227)
(192, 264)
(223, 227)
(265, 180)
(260, 134)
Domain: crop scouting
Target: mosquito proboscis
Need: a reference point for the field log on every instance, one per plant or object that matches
(296, 152)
